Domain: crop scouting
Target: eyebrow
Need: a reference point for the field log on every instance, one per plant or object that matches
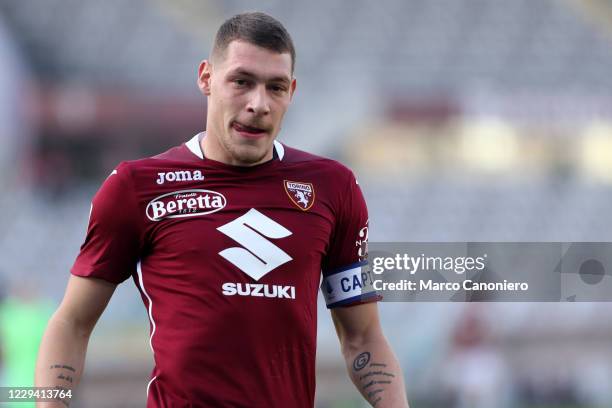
(244, 72)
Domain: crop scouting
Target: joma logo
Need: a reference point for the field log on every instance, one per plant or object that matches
(181, 175)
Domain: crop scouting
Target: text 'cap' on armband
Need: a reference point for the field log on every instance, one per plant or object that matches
(350, 284)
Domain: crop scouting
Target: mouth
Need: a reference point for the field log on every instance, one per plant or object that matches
(248, 131)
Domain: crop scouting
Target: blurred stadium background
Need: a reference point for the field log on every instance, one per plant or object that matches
(464, 120)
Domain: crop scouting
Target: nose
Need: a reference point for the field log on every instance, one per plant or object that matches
(258, 101)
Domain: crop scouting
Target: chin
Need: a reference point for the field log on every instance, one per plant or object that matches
(248, 155)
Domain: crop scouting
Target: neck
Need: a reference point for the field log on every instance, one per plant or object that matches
(214, 150)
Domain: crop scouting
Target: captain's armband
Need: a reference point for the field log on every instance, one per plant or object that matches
(347, 285)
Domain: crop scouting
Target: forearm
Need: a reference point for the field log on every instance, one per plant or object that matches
(376, 373)
(61, 358)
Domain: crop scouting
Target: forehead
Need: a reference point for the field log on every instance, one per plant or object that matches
(261, 62)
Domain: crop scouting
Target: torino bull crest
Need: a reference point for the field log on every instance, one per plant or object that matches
(301, 194)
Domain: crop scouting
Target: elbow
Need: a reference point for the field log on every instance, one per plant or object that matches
(353, 343)
(71, 324)
(352, 347)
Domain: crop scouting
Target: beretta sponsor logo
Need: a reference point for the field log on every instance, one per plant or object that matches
(185, 203)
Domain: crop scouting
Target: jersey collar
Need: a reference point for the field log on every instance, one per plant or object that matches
(195, 147)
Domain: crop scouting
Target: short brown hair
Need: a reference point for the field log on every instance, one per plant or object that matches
(255, 28)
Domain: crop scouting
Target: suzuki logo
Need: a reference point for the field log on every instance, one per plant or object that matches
(258, 256)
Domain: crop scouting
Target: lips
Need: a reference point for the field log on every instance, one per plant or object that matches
(247, 130)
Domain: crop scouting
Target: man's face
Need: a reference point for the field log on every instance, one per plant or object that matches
(249, 89)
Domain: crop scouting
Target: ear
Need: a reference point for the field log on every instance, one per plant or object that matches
(292, 88)
(204, 74)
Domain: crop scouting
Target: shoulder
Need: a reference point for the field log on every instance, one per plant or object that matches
(323, 165)
(178, 153)
(177, 156)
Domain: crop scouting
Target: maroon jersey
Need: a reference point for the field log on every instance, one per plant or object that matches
(228, 262)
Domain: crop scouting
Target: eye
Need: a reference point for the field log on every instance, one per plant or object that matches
(240, 82)
(278, 88)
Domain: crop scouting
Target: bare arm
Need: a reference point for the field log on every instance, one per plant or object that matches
(62, 350)
(371, 364)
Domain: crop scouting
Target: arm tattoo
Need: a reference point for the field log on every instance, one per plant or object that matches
(65, 378)
(65, 375)
(373, 393)
(372, 373)
(361, 361)
(62, 366)
(371, 383)
(375, 375)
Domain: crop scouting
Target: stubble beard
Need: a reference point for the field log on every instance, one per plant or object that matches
(245, 154)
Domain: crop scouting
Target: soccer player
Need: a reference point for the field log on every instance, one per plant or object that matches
(226, 237)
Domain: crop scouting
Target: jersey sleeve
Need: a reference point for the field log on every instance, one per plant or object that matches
(111, 247)
(346, 278)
